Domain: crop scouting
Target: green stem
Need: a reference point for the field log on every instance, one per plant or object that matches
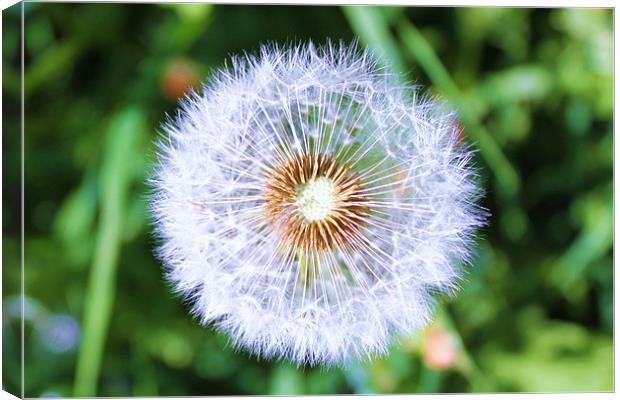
(430, 380)
(116, 175)
(466, 365)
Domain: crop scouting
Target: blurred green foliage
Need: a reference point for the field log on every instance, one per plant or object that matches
(532, 89)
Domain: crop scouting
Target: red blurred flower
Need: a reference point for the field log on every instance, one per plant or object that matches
(178, 78)
(440, 349)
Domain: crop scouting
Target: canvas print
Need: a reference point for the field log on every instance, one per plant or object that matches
(227, 199)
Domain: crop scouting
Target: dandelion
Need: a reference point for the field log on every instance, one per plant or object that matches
(309, 205)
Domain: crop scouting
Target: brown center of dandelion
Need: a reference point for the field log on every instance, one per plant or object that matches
(314, 203)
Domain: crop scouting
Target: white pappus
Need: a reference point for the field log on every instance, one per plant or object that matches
(308, 204)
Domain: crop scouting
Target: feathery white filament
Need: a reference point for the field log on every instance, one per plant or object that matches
(332, 270)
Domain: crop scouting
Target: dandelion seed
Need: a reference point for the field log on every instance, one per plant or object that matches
(309, 204)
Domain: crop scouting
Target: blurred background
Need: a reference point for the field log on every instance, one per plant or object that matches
(534, 93)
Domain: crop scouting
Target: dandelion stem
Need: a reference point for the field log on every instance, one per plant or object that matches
(116, 173)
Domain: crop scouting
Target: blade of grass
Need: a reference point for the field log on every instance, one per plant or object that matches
(368, 24)
(507, 178)
(594, 242)
(116, 173)
(52, 63)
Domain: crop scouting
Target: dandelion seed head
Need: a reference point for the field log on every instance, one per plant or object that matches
(309, 204)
